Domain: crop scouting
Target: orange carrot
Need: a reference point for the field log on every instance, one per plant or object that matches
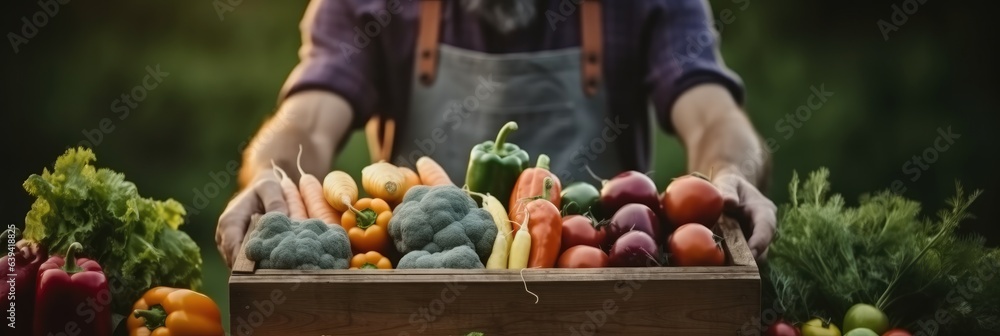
(312, 196)
(431, 173)
(296, 209)
(411, 179)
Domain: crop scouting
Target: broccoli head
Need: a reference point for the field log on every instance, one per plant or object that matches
(459, 257)
(279, 242)
(439, 219)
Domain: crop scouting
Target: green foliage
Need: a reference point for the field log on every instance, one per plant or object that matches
(828, 256)
(279, 242)
(135, 239)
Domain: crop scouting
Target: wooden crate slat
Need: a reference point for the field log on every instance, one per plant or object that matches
(242, 265)
(706, 307)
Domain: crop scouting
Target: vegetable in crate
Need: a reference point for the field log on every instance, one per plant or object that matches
(828, 256)
(22, 263)
(431, 173)
(545, 228)
(339, 190)
(494, 166)
(579, 198)
(367, 225)
(441, 227)
(531, 185)
(370, 260)
(583, 256)
(520, 249)
(633, 217)
(695, 245)
(582, 230)
(384, 180)
(135, 239)
(313, 196)
(501, 245)
(279, 242)
(634, 249)
(72, 294)
(165, 311)
(692, 199)
(629, 187)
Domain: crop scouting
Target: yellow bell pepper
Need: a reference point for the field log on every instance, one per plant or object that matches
(165, 311)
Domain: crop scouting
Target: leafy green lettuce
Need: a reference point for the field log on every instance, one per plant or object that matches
(135, 239)
(828, 256)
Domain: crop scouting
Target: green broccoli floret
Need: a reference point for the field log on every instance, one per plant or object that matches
(279, 242)
(459, 257)
(439, 219)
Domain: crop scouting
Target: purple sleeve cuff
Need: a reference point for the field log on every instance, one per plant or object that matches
(684, 52)
(331, 61)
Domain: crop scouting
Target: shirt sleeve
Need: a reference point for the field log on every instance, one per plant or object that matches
(683, 53)
(333, 58)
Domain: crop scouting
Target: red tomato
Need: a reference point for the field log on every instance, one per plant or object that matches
(583, 256)
(695, 245)
(782, 328)
(692, 199)
(897, 332)
(581, 230)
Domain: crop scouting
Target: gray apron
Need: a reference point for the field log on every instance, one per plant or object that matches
(471, 95)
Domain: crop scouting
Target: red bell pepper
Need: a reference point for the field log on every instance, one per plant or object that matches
(20, 267)
(72, 297)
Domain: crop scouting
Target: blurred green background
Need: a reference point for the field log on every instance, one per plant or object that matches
(890, 97)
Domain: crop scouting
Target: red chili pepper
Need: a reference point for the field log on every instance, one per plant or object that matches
(72, 297)
(27, 258)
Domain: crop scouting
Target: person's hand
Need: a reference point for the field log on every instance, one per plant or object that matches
(756, 213)
(263, 194)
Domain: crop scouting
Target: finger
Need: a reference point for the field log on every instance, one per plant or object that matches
(271, 196)
(764, 218)
(232, 244)
(233, 224)
(729, 188)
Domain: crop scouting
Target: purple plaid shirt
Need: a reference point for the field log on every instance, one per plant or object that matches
(363, 51)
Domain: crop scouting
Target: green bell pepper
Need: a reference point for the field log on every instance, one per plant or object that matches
(495, 165)
(579, 198)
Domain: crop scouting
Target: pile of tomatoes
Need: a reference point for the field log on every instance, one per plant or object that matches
(628, 223)
(860, 320)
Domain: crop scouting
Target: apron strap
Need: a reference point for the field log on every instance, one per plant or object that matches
(591, 43)
(427, 40)
(380, 129)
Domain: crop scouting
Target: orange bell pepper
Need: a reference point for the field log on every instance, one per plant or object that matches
(530, 185)
(367, 225)
(370, 260)
(165, 311)
(545, 229)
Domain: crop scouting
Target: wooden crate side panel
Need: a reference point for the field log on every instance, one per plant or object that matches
(719, 306)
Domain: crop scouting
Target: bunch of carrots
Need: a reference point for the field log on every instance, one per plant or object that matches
(335, 202)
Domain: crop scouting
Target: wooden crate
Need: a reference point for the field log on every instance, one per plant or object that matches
(609, 301)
